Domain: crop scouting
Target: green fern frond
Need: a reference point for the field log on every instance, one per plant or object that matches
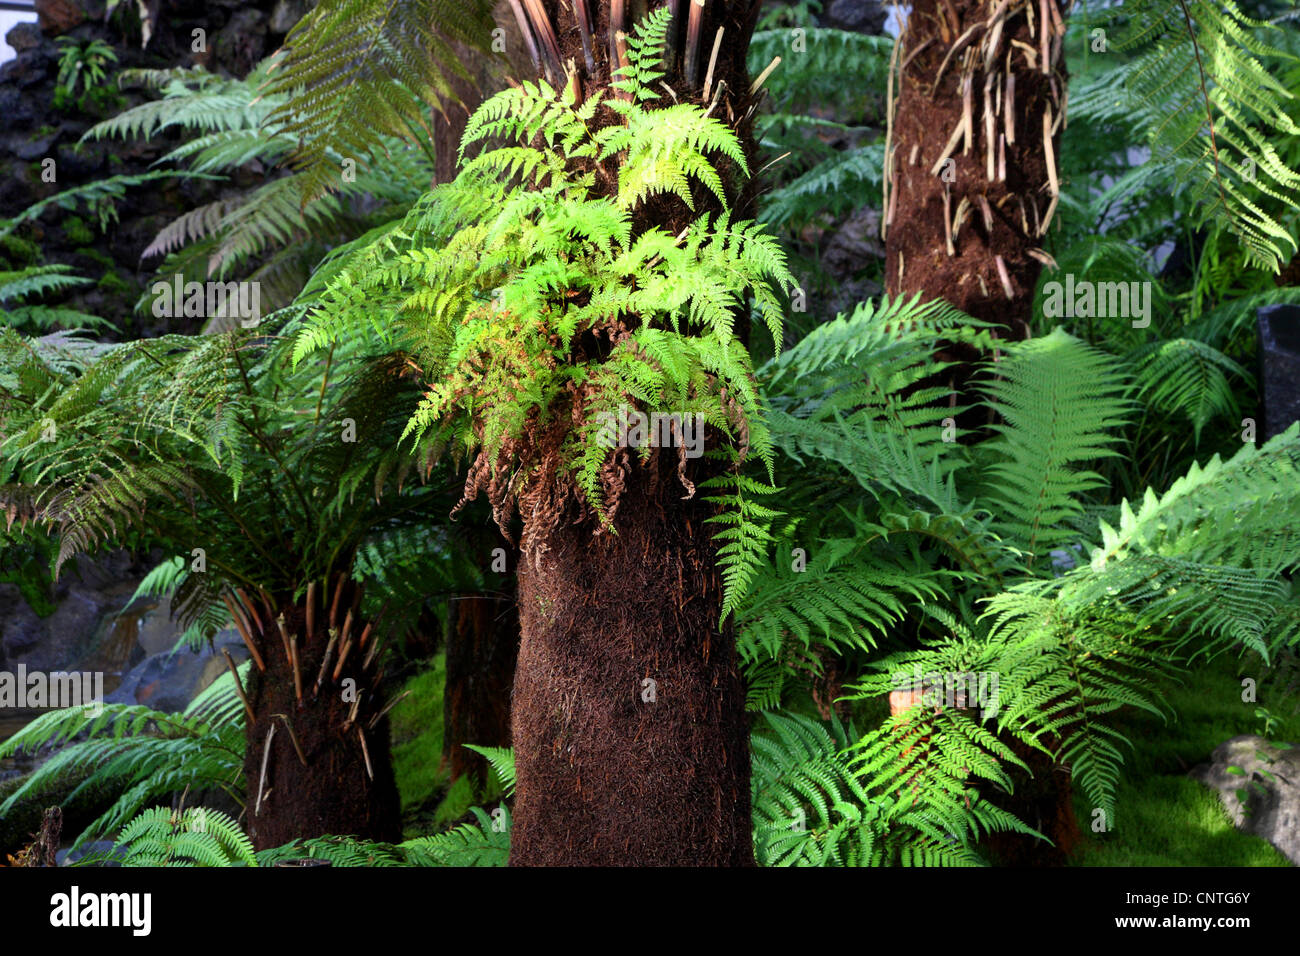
(1189, 378)
(196, 836)
(502, 762)
(1199, 88)
(354, 68)
(1061, 402)
(486, 842)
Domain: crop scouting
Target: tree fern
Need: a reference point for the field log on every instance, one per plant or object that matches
(195, 836)
(1199, 89)
(352, 68)
(278, 226)
(496, 276)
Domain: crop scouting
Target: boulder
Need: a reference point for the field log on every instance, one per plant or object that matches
(855, 244)
(242, 41)
(1278, 366)
(32, 148)
(28, 69)
(84, 618)
(103, 852)
(1259, 784)
(862, 16)
(18, 109)
(170, 680)
(286, 14)
(852, 247)
(60, 16)
(24, 36)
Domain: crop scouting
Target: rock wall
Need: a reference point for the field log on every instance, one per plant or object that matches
(39, 125)
(87, 629)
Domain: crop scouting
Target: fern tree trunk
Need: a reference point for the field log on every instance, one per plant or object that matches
(971, 177)
(317, 760)
(482, 648)
(971, 190)
(630, 735)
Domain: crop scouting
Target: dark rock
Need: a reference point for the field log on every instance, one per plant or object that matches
(32, 148)
(169, 681)
(101, 851)
(286, 14)
(82, 162)
(862, 16)
(24, 36)
(1259, 784)
(13, 188)
(845, 296)
(28, 69)
(18, 108)
(60, 16)
(1278, 358)
(242, 42)
(855, 245)
(70, 130)
(86, 599)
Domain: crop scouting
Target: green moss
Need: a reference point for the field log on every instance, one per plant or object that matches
(77, 230)
(1170, 820)
(430, 800)
(103, 258)
(455, 805)
(1164, 818)
(112, 282)
(19, 252)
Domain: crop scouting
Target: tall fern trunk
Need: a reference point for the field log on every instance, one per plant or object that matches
(630, 734)
(971, 190)
(630, 738)
(317, 760)
(971, 175)
(482, 648)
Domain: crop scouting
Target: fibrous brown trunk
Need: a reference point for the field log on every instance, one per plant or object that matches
(317, 760)
(482, 647)
(971, 190)
(971, 178)
(631, 740)
(631, 744)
